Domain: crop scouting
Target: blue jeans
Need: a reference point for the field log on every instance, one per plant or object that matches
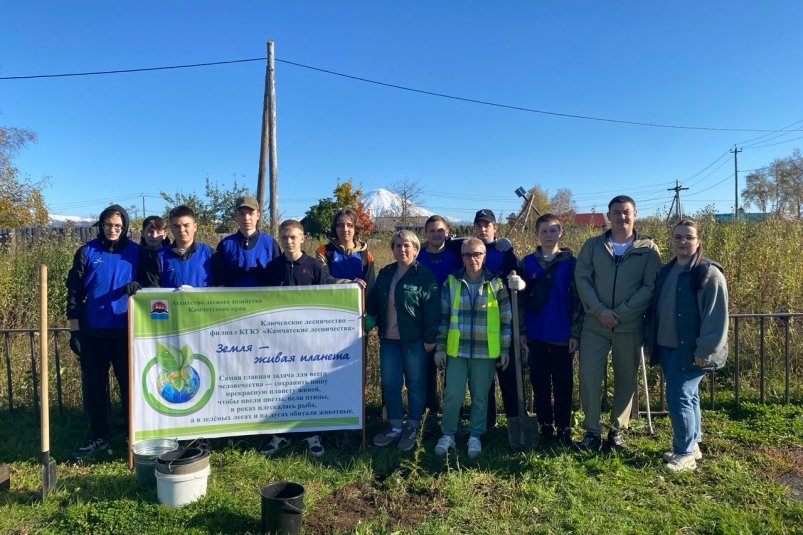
(683, 401)
(403, 363)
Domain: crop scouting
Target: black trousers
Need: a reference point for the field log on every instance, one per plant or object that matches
(431, 372)
(507, 384)
(552, 374)
(97, 355)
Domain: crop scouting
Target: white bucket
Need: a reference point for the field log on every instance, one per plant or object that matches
(175, 490)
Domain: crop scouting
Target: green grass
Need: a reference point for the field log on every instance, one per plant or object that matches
(750, 481)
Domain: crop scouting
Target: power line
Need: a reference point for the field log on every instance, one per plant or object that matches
(123, 71)
(773, 144)
(783, 131)
(402, 88)
(521, 108)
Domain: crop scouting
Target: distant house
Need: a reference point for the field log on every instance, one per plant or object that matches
(743, 216)
(393, 223)
(591, 219)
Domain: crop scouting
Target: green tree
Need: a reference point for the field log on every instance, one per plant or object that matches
(215, 211)
(777, 188)
(21, 201)
(318, 218)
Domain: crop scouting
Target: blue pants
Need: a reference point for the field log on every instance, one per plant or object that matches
(683, 401)
(403, 363)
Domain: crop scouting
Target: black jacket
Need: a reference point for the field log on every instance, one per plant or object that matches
(305, 271)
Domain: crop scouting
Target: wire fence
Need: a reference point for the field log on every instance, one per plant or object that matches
(765, 365)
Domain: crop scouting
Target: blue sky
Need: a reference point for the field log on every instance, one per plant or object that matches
(113, 138)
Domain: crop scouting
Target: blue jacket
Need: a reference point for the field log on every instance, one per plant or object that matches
(557, 320)
(441, 264)
(96, 283)
(194, 268)
(239, 260)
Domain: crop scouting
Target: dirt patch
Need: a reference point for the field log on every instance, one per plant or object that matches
(786, 468)
(367, 500)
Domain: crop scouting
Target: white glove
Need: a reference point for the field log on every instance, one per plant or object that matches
(440, 359)
(514, 282)
(503, 244)
(504, 360)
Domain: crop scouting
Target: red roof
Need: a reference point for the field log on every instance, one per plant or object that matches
(594, 219)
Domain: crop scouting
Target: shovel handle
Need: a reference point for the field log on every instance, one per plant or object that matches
(43, 393)
(514, 305)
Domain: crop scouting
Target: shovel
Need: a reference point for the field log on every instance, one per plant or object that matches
(48, 464)
(522, 430)
(646, 393)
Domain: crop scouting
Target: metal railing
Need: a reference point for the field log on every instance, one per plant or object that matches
(33, 336)
(786, 320)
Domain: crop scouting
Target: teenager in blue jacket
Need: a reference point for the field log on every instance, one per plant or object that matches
(103, 275)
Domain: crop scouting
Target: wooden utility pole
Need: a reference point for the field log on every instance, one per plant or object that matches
(268, 151)
(735, 151)
(676, 201)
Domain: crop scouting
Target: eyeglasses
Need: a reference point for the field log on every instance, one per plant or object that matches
(109, 226)
(473, 254)
(678, 238)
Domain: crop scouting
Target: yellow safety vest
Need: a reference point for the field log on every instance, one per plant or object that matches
(493, 322)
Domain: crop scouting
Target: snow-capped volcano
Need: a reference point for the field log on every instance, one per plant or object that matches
(384, 203)
(59, 221)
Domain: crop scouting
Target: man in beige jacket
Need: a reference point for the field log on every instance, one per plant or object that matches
(615, 277)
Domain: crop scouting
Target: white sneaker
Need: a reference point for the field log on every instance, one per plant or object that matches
(681, 463)
(474, 447)
(443, 445)
(314, 446)
(668, 455)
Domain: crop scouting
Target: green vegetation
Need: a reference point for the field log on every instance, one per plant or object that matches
(750, 481)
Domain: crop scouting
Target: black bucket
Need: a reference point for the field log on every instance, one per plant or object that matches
(282, 507)
(182, 461)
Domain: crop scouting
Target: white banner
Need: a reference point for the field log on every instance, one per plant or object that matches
(211, 362)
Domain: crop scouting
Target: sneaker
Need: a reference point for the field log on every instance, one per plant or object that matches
(443, 445)
(90, 448)
(314, 446)
(546, 434)
(275, 445)
(668, 455)
(616, 441)
(681, 463)
(565, 437)
(590, 442)
(408, 439)
(387, 437)
(474, 447)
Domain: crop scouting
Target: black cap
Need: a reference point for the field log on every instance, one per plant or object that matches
(485, 215)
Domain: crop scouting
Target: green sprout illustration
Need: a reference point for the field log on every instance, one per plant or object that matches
(175, 364)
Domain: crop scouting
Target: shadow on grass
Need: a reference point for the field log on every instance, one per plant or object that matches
(22, 435)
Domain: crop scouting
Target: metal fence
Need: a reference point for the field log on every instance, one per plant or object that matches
(761, 342)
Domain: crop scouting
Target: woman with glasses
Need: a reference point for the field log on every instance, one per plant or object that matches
(404, 302)
(687, 334)
(473, 341)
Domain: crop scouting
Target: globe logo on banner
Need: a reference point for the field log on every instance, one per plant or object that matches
(171, 382)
